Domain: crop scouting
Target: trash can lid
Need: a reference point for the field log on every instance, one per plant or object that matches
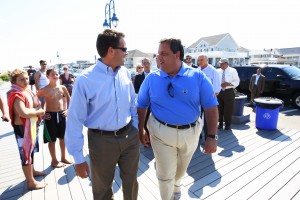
(241, 97)
(268, 100)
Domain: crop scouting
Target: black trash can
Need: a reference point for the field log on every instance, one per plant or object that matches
(267, 110)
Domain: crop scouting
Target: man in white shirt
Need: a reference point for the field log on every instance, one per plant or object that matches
(229, 79)
(213, 75)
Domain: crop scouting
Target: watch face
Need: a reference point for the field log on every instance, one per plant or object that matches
(213, 136)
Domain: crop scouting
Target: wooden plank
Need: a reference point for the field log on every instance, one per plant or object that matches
(74, 184)
(216, 162)
(284, 182)
(10, 193)
(211, 183)
(41, 165)
(291, 189)
(271, 166)
(239, 170)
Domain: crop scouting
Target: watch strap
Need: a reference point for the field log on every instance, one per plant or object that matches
(213, 136)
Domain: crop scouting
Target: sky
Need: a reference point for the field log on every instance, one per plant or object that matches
(32, 30)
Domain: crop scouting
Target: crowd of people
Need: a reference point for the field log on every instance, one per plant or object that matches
(166, 109)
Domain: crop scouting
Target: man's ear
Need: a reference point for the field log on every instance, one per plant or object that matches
(178, 55)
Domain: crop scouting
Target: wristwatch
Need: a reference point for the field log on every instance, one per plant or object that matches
(213, 136)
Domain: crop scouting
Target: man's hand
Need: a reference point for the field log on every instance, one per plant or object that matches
(144, 139)
(46, 116)
(225, 84)
(5, 118)
(210, 146)
(82, 170)
(65, 113)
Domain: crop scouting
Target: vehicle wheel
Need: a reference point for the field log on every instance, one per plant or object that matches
(296, 100)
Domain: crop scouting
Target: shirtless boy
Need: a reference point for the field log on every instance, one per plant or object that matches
(55, 116)
(24, 109)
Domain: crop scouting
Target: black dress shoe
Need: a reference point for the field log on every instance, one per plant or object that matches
(227, 127)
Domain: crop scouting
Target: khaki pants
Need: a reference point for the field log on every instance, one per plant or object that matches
(108, 151)
(173, 150)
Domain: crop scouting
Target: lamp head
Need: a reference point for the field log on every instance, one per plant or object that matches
(105, 25)
(115, 20)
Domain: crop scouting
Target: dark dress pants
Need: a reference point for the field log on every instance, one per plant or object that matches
(105, 153)
(226, 106)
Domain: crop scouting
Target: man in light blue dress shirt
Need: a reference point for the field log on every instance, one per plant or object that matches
(213, 75)
(103, 100)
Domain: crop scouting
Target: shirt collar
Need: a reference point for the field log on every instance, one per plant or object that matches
(105, 68)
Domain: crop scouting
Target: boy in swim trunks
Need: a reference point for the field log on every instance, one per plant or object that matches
(55, 116)
(24, 111)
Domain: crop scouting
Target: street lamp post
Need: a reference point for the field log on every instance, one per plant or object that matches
(110, 19)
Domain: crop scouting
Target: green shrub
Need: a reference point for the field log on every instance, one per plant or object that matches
(5, 77)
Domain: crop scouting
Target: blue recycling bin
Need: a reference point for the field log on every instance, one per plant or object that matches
(267, 110)
(239, 105)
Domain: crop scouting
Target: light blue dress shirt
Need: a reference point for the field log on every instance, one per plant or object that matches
(101, 99)
(190, 89)
(213, 75)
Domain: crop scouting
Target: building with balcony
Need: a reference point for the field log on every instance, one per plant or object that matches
(266, 56)
(217, 47)
(285, 56)
(290, 56)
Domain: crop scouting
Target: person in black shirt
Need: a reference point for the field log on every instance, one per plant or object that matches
(31, 73)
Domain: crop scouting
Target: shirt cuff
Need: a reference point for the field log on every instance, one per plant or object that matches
(79, 158)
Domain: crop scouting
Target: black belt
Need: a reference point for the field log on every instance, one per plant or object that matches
(112, 133)
(185, 126)
(226, 89)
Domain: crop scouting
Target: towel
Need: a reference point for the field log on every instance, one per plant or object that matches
(28, 123)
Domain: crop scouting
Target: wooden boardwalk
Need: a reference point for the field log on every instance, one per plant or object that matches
(249, 164)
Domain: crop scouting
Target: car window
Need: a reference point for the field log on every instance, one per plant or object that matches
(292, 72)
(272, 73)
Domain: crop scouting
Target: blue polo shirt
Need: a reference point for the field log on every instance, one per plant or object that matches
(181, 102)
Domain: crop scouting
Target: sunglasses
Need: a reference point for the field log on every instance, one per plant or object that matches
(188, 58)
(121, 48)
(140, 67)
(65, 69)
(171, 90)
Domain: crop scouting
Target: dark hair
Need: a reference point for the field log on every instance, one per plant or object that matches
(42, 61)
(49, 70)
(175, 45)
(109, 38)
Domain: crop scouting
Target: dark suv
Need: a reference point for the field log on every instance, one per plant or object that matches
(282, 81)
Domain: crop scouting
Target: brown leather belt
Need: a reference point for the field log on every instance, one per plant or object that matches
(112, 133)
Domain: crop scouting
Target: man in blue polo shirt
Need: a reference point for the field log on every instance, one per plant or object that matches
(176, 93)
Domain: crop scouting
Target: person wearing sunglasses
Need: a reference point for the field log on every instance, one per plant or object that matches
(103, 100)
(189, 61)
(139, 78)
(176, 93)
(67, 79)
(139, 70)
